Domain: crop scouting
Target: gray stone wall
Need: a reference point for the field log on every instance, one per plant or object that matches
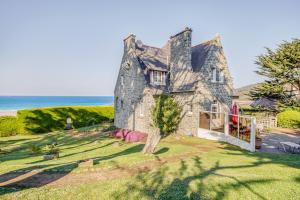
(129, 94)
(180, 60)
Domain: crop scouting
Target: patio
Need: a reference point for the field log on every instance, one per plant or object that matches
(271, 141)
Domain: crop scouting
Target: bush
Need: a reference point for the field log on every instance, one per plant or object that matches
(9, 126)
(289, 119)
(35, 149)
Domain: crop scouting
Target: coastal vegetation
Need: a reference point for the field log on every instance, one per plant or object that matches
(44, 120)
(281, 70)
(180, 168)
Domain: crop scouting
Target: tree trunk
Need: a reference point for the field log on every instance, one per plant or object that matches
(151, 143)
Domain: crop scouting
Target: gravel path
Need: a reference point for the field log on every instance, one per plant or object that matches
(270, 141)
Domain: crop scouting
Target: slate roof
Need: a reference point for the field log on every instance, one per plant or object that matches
(154, 58)
(199, 54)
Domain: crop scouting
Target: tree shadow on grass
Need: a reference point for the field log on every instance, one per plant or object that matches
(156, 185)
(44, 121)
(30, 178)
(162, 150)
(290, 160)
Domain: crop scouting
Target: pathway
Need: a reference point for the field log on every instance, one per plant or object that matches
(270, 141)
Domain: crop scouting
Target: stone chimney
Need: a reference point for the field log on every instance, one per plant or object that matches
(180, 61)
(129, 43)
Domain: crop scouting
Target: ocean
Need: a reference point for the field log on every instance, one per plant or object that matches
(27, 102)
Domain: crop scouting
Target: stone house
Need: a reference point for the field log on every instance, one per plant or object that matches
(197, 76)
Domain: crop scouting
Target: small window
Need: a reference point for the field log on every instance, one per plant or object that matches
(214, 75)
(122, 104)
(221, 78)
(217, 76)
(132, 82)
(141, 108)
(216, 110)
(158, 78)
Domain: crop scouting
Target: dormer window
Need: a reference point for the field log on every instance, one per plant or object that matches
(158, 77)
(217, 76)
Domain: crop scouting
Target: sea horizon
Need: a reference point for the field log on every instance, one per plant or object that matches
(22, 102)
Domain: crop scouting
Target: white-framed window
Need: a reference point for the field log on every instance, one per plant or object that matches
(217, 76)
(141, 109)
(158, 77)
(221, 78)
(214, 75)
(215, 109)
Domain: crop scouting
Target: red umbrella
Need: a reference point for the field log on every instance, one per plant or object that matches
(234, 112)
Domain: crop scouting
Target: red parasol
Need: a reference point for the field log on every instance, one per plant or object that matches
(234, 112)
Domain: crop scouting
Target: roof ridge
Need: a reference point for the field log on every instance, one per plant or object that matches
(214, 39)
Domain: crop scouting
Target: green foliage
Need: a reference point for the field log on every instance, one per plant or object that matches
(44, 120)
(52, 149)
(289, 119)
(281, 68)
(35, 149)
(166, 114)
(9, 126)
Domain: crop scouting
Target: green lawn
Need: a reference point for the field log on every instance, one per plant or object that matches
(205, 170)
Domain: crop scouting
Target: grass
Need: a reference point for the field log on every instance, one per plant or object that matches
(205, 170)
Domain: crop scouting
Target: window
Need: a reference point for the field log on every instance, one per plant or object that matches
(214, 75)
(158, 77)
(215, 109)
(217, 76)
(141, 108)
(221, 78)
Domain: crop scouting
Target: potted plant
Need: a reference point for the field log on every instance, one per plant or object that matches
(258, 139)
(53, 152)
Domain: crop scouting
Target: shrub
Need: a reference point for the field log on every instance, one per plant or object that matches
(289, 119)
(35, 149)
(52, 149)
(9, 126)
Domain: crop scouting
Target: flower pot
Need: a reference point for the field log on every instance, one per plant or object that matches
(258, 142)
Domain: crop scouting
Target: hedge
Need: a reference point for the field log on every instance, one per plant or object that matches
(289, 119)
(46, 120)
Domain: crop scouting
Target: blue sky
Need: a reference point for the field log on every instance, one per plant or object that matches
(61, 47)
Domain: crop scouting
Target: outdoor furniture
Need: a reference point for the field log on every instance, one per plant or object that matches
(290, 147)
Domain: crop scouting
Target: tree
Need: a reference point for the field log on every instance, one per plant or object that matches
(281, 67)
(166, 117)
